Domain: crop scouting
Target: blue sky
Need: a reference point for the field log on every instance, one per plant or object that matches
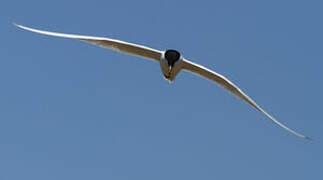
(71, 110)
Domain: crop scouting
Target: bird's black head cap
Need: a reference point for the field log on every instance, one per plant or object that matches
(172, 56)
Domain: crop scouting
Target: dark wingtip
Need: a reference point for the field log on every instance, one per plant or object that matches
(308, 138)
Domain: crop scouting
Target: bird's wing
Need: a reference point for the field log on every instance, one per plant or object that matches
(228, 85)
(117, 45)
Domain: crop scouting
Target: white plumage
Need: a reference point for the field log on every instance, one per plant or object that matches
(171, 63)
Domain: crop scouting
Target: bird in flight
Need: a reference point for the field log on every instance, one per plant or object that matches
(171, 63)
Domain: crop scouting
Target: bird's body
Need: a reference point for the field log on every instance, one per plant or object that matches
(171, 63)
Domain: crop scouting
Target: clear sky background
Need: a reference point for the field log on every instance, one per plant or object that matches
(71, 110)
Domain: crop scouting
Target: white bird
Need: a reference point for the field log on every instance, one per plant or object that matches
(171, 63)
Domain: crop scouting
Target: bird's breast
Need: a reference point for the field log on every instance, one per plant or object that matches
(170, 71)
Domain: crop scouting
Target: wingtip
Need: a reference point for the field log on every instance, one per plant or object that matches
(308, 138)
(17, 25)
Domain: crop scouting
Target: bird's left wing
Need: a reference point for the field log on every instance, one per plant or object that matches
(228, 85)
(114, 44)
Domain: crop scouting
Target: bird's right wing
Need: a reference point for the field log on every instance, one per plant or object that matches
(228, 85)
(118, 45)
